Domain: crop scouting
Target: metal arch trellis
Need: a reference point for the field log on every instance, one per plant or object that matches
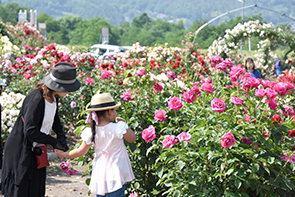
(242, 8)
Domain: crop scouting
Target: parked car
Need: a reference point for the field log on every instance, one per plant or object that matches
(99, 50)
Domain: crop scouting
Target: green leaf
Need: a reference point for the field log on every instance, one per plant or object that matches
(292, 165)
(160, 171)
(229, 171)
(269, 144)
(229, 194)
(267, 170)
(180, 164)
(136, 185)
(247, 151)
(150, 148)
(238, 183)
(255, 167)
(270, 160)
(202, 150)
(169, 182)
(243, 194)
(125, 80)
(176, 193)
(87, 181)
(288, 184)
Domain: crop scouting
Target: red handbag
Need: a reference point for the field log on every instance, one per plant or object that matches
(42, 157)
(42, 160)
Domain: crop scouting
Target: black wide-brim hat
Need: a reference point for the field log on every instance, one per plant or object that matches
(62, 78)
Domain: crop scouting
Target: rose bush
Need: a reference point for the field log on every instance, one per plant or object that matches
(204, 127)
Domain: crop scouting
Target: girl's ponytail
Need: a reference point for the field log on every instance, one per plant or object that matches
(94, 121)
(93, 129)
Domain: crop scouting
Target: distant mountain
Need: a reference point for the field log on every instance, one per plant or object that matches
(118, 11)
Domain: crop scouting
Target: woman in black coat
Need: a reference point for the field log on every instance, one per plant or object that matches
(38, 115)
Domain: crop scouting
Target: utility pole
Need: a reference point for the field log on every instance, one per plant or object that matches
(241, 41)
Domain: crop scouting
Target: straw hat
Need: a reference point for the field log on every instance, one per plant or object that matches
(102, 101)
(62, 78)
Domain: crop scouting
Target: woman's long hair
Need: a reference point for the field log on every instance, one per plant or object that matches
(47, 93)
(93, 123)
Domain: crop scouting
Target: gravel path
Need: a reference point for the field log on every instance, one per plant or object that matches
(60, 184)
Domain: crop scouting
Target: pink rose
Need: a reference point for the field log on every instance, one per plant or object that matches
(228, 140)
(290, 159)
(133, 195)
(140, 72)
(228, 63)
(207, 87)
(160, 115)
(207, 80)
(245, 110)
(236, 72)
(149, 134)
(106, 74)
(289, 111)
(266, 84)
(175, 103)
(246, 140)
(127, 96)
(215, 60)
(157, 87)
(260, 92)
(271, 93)
(184, 136)
(221, 66)
(189, 98)
(171, 75)
(218, 105)
(247, 119)
(280, 87)
(272, 104)
(289, 86)
(65, 166)
(89, 81)
(71, 172)
(237, 100)
(169, 141)
(252, 82)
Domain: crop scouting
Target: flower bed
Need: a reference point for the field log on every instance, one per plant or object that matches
(204, 127)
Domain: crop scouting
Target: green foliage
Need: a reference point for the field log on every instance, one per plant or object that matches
(9, 12)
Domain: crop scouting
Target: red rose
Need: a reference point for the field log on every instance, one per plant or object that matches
(277, 119)
(292, 133)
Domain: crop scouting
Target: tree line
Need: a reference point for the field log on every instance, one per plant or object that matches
(73, 30)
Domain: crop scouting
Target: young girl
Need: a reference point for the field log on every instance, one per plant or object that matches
(250, 67)
(111, 167)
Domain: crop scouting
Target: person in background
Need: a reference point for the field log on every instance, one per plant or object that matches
(278, 66)
(21, 176)
(250, 67)
(111, 168)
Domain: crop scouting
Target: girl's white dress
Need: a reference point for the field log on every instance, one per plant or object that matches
(111, 166)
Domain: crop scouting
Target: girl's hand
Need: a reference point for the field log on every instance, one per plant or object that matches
(120, 119)
(59, 153)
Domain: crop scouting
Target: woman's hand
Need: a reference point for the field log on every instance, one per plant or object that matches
(120, 119)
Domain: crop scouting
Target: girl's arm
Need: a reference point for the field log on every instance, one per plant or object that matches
(78, 152)
(129, 136)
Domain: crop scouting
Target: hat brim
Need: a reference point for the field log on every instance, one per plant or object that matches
(61, 87)
(104, 108)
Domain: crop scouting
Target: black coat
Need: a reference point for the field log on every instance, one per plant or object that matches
(18, 156)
